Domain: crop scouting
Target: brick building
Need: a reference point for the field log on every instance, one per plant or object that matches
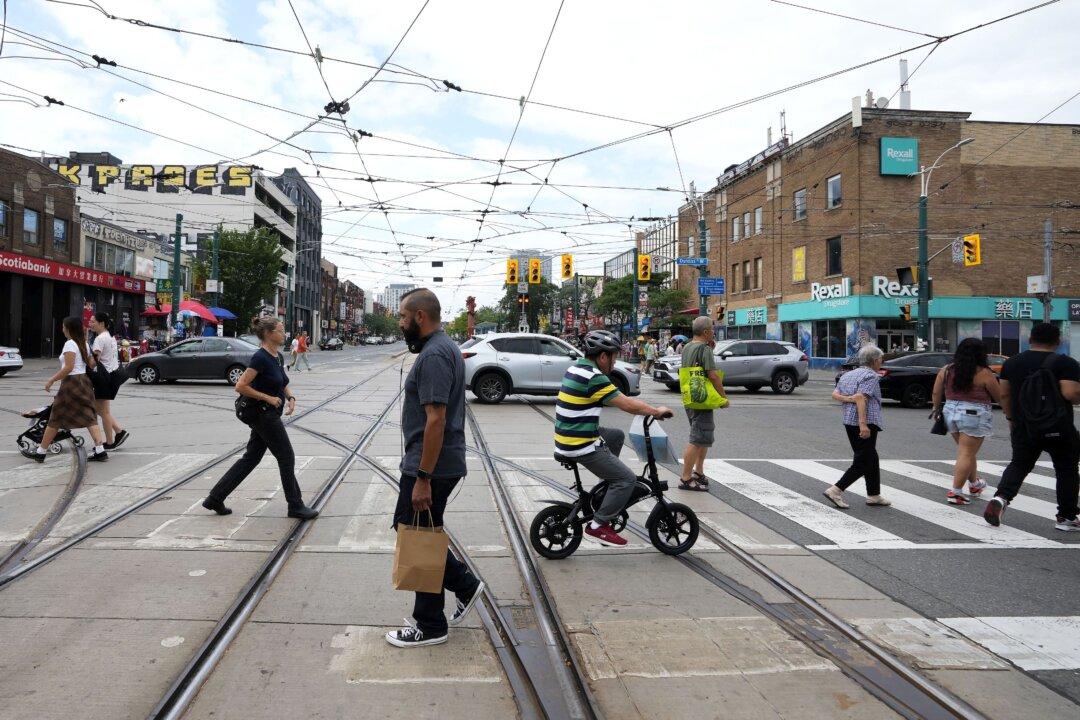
(809, 234)
(329, 298)
(41, 280)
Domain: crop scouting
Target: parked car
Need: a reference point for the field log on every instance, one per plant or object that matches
(10, 360)
(907, 376)
(332, 343)
(751, 364)
(499, 364)
(207, 358)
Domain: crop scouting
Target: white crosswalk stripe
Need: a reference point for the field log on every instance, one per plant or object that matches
(995, 469)
(758, 481)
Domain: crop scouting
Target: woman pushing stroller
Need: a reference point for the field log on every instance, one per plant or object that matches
(73, 406)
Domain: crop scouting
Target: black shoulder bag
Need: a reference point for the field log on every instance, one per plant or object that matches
(939, 427)
(248, 409)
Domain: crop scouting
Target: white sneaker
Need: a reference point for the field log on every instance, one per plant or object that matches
(412, 636)
(975, 488)
(1067, 525)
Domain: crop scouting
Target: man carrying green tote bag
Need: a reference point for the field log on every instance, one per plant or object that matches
(702, 387)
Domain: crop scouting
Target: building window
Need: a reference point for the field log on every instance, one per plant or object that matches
(747, 280)
(833, 257)
(1002, 337)
(735, 277)
(759, 221)
(746, 223)
(829, 338)
(798, 264)
(5, 213)
(758, 266)
(31, 231)
(736, 226)
(59, 235)
(799, 204)
(833, 196)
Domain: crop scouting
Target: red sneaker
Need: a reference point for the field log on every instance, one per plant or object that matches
(605, 534)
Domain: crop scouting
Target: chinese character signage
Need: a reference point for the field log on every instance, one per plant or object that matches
(899, 155)
(37, 267)
(1007, 309)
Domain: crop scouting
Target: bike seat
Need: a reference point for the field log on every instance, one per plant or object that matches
(568, 463)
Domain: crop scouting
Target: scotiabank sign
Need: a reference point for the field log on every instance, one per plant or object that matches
(37, 267)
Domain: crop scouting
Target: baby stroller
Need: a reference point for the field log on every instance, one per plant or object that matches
(31, 438)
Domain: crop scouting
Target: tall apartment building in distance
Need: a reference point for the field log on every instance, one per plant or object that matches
(306, 284)
(390, 298)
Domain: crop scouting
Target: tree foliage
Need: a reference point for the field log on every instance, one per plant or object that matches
(617, 300)
(487, 314)
(379, 324)
(248, 263)
(542, 300)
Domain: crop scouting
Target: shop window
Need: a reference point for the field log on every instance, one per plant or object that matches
(834, 264)
(829, 338)
(943, 333)
(832, 192)
(799, 205)
(31, 229)
(59, 235)
(5, 213)
(798, 264)
(1002, 337)
(759, 220)
(758, 267)
(736, 228)
(747, 280)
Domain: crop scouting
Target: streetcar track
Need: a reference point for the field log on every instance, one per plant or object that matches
(881, 674)
(186, 686)
(28, 565)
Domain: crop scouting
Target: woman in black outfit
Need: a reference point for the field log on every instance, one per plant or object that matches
(265, 381)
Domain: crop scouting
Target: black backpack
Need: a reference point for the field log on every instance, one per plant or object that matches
(1045, 413)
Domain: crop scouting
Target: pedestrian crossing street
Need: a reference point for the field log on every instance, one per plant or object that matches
(919, 518)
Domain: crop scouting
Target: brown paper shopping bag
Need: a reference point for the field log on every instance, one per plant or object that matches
(420, 558)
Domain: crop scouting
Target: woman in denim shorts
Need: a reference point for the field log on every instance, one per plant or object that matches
(964, 393)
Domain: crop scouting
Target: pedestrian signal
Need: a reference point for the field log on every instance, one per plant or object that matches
(905, 313)
(644, 268)
(534, 271)
(567, 267)
(512, 272)
(972, 251)
(908, 275)
(523, 299)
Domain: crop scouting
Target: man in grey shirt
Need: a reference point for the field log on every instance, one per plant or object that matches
(699, 353)
(433, 424)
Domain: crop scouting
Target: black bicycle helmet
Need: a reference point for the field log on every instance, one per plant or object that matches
(600, 341)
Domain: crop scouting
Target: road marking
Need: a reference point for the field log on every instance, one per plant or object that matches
(1031, 643)
(161, 471)
(28, 475)
(930, 644)
(845, 531)
(936, 513)
(986, 468)
(940, 480)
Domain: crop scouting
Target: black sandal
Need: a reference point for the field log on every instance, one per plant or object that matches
(700, 479)
(693, 485)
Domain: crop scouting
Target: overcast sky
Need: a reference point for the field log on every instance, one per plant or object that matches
(645, 65)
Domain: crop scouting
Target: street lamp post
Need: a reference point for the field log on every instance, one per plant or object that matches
(703, 270)
(922, 328)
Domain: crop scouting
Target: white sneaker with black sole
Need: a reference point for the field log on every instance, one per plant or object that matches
(412, 636)
(1067, 525)
(464, 608)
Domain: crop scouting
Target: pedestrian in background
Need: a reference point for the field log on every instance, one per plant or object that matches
(294, 348)
(1038, 389)
(266, 382)
(860, 392)
(302, 351)
(73, 406)
(106, 353)
(964, 391)
(649, 353)
(433, 426)
(698, 353)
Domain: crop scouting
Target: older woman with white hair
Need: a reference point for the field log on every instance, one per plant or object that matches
(860, 392)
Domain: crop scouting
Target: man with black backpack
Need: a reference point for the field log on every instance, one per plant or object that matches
(1038, 389)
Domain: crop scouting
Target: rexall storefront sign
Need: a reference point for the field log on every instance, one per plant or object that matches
(899, 155)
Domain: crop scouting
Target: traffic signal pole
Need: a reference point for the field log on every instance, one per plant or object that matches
(634, 305)
(177, 293)
(922, 328)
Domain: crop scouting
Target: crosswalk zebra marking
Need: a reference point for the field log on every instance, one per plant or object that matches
(844, 530)
(987, 468)
(1023, 503)
(1030, 643)
(937, 513)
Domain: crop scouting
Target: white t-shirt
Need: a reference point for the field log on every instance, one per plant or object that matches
(105, 344)
(80, 366)
(295, 344)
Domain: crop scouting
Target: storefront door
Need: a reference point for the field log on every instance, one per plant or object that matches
(896, 340)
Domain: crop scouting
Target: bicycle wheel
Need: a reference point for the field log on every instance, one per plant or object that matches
(553, 534)
(675, 531)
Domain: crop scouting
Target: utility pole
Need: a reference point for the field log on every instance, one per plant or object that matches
(703, 270)
(634, 306)
(214, 275)
(1048, 267)
(577, 306)
(289, 301)
(177, 293)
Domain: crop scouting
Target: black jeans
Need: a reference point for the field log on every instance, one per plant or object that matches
(866, 463)
(266, 432)
(1064, 453)
(428, 607)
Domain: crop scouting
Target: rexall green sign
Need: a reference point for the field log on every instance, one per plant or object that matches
(899, 155)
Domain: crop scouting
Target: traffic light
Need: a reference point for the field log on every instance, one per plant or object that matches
(534, 271)
(567, 267)
(523, 299)
(972, 250)
(512, 271)
(719, 313)
(905, 313)
(908, 275)
(644, 268)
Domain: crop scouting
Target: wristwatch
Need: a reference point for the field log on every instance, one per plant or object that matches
(423, 474)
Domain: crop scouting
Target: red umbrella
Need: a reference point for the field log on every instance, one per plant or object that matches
(191, 306)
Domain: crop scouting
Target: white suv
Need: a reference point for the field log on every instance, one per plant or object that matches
(10, 360)
(499, 364)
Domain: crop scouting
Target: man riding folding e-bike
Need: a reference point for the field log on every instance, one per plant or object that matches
(579, 438)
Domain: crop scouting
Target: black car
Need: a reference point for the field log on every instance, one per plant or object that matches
(204, 358)
(332, 343)
(907, 376)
